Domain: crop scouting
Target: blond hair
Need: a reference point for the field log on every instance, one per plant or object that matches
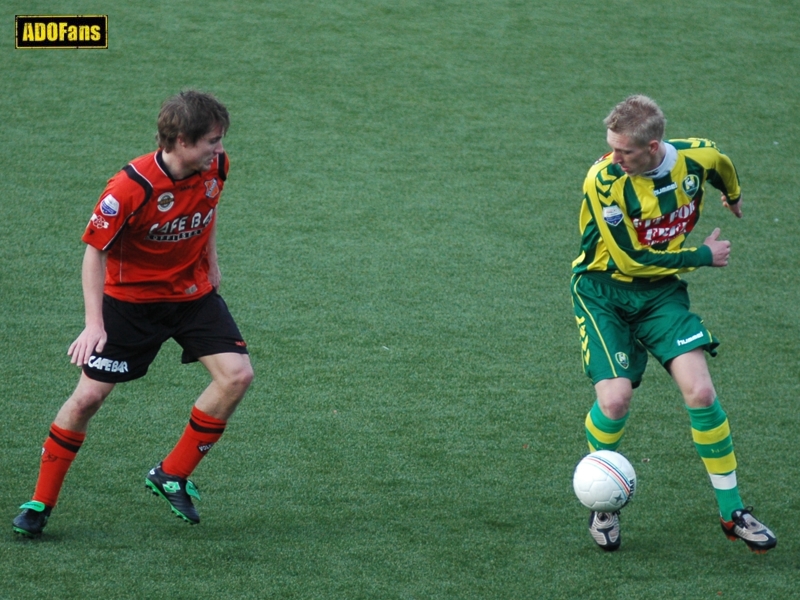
(638, 117)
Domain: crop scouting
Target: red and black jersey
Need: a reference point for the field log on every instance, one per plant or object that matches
(156, 230)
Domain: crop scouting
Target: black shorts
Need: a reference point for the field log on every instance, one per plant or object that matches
(136, 332)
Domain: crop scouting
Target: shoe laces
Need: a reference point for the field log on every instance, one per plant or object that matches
(744, 518)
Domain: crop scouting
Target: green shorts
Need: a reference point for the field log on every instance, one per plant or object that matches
(620, 322)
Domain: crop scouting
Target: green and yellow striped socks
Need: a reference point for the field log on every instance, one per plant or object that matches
(712, 438)
(603, 433)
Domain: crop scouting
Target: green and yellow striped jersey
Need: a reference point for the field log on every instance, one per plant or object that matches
(634, 227)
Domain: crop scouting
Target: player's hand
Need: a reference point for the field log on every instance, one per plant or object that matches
(90, 340)
(736, 209)
(720, 249)
(215, 276)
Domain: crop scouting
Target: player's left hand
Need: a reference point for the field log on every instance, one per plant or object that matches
(736, 209)
(215, 276)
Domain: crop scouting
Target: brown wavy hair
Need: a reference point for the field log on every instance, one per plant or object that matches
(191, 115)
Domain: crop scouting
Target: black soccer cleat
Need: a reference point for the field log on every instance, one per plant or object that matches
(175, 490)
(744, 526)
(31, 521)
(604, 528)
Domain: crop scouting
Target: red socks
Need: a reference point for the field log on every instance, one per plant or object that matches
(58, 452)
(61, 446)
(202, 432)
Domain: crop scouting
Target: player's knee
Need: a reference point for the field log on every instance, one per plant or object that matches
(615, 407)
(614, 397)
(82, 406)
(700, 395)
(237, 378)
(244, 376)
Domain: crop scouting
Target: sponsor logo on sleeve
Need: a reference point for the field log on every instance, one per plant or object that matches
(98, 222)
(109, 206)
(612, 215)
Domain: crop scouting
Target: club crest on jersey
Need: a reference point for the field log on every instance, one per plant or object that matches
(212, 188)
(165, 201)
(622, 359)
(612, 215)
(109, 206)
(691, 183)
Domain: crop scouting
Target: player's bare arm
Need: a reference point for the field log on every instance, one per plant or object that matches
(93, 337)
(214, 274)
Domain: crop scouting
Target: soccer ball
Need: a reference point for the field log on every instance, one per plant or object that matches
(604, 481)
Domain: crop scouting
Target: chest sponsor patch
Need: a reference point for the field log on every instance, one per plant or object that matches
(180, 228)
(612, 215)
(109, 206)
(659, 230)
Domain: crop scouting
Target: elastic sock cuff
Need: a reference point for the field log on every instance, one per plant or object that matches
(705, 419)
(603, 423)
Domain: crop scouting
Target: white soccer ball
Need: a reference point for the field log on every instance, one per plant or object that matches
(604, 481)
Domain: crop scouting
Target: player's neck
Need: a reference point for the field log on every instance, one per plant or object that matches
(658, 157)
(177, 168)
(657, 165)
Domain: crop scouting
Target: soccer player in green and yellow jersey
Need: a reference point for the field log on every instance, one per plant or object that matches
(640, 202)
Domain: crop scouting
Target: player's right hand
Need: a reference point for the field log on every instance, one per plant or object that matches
(735, 208)
(720, 249)
(90, 340)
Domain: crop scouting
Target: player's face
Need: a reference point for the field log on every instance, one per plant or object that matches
(201, 155)
(630, 156)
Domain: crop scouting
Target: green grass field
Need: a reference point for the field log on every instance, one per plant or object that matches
(396, 238)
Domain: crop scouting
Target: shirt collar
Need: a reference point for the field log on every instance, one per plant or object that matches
(670, 158)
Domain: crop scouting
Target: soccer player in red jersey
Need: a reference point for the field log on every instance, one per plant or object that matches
(150, 273)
